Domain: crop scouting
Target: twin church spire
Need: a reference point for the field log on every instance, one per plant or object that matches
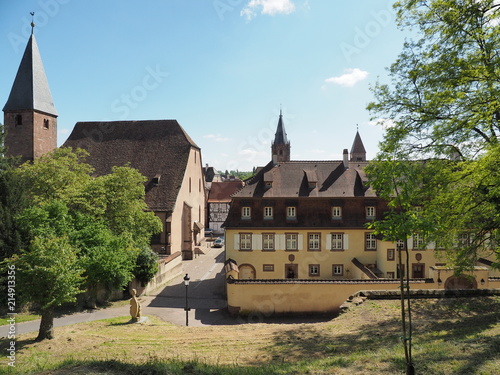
(280, 148)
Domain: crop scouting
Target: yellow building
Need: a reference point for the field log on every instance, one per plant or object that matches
(306, 221)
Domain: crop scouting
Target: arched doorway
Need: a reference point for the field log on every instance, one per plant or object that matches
(247, 272)
(460, 282)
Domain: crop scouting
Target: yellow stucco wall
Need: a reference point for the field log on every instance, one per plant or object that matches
(326, 258)
(355, 239)
(192, 193)
(282, 298)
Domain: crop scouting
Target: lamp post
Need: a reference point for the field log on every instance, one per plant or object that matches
(187, 309)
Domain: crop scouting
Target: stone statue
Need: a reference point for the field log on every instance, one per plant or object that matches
(135, 307)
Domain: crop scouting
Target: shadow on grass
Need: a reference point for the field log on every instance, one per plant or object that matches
(448, 336)
(154, 367)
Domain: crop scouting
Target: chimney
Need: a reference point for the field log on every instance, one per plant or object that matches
(346, 158)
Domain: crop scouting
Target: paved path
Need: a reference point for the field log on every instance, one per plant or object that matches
(205, 297)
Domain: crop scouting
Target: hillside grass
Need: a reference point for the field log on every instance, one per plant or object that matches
(451, 336)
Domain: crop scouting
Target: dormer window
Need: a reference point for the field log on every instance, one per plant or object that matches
(268, 184)
(291, 213)
(268, 213)
(370, 212)
(336, 212)
(246, 213)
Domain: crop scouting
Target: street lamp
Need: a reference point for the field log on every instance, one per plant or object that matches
(187, 309)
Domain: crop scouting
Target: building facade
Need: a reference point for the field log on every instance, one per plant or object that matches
(219, 202)
(306, 222)
(171, 162)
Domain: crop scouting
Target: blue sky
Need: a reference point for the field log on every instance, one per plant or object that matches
(222, 68)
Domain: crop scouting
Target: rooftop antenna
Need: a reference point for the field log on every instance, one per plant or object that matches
(32, 21)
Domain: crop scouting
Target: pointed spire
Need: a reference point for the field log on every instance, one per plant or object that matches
(281, 146)
(30, 90)
(358, 152)
(280, 136)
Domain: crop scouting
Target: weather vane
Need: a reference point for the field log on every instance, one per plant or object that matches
(32, 21)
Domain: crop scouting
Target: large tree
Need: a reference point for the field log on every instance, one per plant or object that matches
(444, 111)
(103, 221)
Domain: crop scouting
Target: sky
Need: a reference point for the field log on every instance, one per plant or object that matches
(222, 68)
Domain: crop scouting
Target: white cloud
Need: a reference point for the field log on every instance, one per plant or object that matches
(216, 137)
(269, 7)
(350, 78)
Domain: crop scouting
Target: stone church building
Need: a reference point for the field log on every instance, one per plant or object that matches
(160, 149)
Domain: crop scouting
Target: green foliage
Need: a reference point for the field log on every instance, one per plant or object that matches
(146, 265)
(104, 218)
(444, 108)
(47, 272)
(444, 98)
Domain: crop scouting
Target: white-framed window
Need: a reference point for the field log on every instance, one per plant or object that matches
(245, 241)
(464, 239)
(291, 241)
(418, 241)
(370, 241)
(314, 270)
(291, 213)
(246, 212)
(370, 212)
(337, 241)
(391, 254)
(267, 241)
(314, 241)
(268, 212)
(336, 212)
(338, 270)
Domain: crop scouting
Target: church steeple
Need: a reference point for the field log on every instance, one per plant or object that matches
(358, 152)
(280, 149)
(30, 117)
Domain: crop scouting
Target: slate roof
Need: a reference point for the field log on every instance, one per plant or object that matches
(280, 135)
(222, 191)
(30, 90)
(159, 149)
(292, 179)
(358, 149)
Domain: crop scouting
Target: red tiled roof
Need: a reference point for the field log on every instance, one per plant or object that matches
(222, 191)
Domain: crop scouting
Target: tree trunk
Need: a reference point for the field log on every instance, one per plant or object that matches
(46, 325)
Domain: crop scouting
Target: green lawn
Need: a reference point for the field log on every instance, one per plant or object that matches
(451, 336)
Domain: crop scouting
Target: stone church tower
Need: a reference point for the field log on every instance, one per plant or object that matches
(280, 149)
(30, 117)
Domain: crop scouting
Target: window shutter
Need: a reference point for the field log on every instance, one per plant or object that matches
(237, 241)
(410, 243)
(300, 242)
(346, 241)
(256, 241)
(329, 241)
(279, 242)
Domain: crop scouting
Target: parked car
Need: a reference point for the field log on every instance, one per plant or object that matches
(219, 242)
